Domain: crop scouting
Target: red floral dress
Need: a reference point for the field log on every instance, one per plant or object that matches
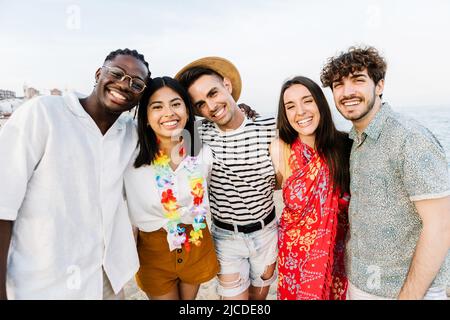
(312, 231)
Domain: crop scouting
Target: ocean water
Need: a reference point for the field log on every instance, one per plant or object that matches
(436, 119)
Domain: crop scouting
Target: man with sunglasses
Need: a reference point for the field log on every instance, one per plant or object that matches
(64, 228)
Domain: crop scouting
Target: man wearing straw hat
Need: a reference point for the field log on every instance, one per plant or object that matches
(244, 223)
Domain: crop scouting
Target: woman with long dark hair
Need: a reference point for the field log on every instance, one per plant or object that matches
(311, 159)
(166, 188)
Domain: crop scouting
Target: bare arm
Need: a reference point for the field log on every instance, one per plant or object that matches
(5, 239)
(135, 233)
(276, 156)
(432, 247)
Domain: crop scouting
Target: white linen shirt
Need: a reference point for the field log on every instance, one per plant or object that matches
(61, 182)
(144, 202)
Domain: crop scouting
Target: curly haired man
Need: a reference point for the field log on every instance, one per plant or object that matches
(400, 205)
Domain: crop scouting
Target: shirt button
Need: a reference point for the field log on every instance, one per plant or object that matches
(180, 260)
(179, 250)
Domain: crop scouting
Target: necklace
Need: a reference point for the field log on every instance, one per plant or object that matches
(176, 234)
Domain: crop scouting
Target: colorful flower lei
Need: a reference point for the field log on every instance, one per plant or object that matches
(176, 235)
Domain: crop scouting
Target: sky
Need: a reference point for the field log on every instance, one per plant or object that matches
(48, 44)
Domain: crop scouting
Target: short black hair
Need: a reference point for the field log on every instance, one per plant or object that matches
(128, 52)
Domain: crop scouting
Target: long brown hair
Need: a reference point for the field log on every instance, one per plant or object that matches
(333, 145)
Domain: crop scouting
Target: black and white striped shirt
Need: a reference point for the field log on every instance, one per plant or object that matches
(243, 177)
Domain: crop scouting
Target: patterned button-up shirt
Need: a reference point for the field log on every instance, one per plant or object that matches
(393, 163)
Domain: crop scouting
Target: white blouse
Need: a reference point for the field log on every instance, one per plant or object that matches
(144, 201)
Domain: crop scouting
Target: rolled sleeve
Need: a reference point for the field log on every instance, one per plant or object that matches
(425, 167)
(7, 214)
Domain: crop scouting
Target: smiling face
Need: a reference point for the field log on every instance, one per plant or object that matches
(357, 97)
(167, 114)
(211, 97)
(302, 112)
(114, 95)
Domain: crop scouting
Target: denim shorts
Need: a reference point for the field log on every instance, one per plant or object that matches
(248, 254)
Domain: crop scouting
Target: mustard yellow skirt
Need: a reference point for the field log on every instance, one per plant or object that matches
(161, 269)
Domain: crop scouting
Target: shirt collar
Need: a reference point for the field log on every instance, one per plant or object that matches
(73, 102)
(375, 126)
(242, 125)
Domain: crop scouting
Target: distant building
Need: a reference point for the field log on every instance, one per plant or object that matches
(30, 92)
(55, 92)
(8, 106)
(7, 94)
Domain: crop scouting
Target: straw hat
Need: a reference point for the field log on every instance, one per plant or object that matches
(223, 67)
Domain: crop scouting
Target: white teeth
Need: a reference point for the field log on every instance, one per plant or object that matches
(171, 123)
(351, 103)
(218, 114)
(117, 95)
(304, 121)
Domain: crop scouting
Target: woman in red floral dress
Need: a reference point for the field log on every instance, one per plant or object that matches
(311, 159)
